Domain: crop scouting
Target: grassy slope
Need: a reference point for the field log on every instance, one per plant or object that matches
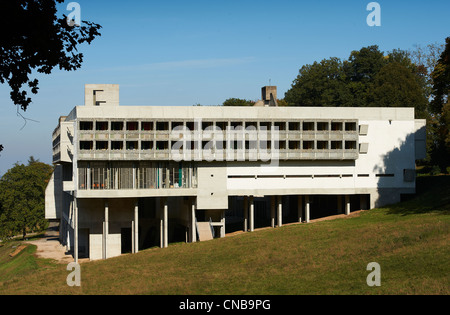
(409, 240)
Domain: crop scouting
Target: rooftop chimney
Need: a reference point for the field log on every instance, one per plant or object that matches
(269, 95)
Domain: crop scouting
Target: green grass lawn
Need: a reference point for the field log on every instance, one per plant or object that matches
(409, 240)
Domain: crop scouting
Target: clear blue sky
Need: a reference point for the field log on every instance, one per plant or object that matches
(189, 52)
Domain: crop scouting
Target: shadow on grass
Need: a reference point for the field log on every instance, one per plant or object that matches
(432, 195)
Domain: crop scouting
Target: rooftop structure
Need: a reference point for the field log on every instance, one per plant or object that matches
(132, 177)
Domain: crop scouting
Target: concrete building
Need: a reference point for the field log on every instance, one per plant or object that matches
(132, 177)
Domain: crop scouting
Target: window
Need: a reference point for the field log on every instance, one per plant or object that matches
(280, 125)
(116, 145)
(132, 145)
(86, 145)
(308, 145)
(251, 125)
(177, 125)
(86, 125)
(162, 145)
(350, 145)
(308, 126)
(162, 126)
(207, 124)
(265, 126)
(294, 126)
(336, 126)
(281, 145)
(336, 145)
(322, 145)
(222, 125)
(146, 125)
(132, 125)
(101, 145)
(251, 145)
(350, 126)
(101, 125)
(294, 145)
(322, 126)
(116, 125)
(237, 124)
(146, 145)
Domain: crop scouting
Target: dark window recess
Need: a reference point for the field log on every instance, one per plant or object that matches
(101, 125)
(116, 145)
(101, 145)
(308, 145)
(308, 126)
(116, 125)
(322, 145)
(162, 126)
(162, 145)
(86, 125)
(294, 126)
(336, 145)
(336, 126)
(350, 126)
(146, 145)
(280, 125)
(177, 125)
(147, 125)
(132, 145)
(322, 126)
(350, 145)
(132, 125)
(86, 145)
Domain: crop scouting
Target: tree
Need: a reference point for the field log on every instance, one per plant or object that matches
(22, 196)
(425, 59)
(440, 110)
(320, 84)
(37, 39)
(367, 78)
(396, 86)
(237, 102)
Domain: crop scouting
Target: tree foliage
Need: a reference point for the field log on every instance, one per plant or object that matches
(237, 102)
(440, 110)
(22, 198)
(367, 78)
(36, 39)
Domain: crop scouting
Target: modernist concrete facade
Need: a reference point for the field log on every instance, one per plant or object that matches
(132, 177)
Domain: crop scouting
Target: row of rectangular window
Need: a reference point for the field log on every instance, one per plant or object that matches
(222, 125)
(219, 145)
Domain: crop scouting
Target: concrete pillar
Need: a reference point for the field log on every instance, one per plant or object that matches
(307, 209)
(252, 214)
(245, 213)
(105, 231)
(136, 228)
(272, 211)
(166, 223)
(193, 226)
(347, 204)
(299, 208)
(75, 227)
(132, 237)
(161, 223)
(222, 221)
(280, 211)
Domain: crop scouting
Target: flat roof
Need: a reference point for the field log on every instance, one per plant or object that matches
(241, 112)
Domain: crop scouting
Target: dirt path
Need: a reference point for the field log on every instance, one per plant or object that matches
(50, 247)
